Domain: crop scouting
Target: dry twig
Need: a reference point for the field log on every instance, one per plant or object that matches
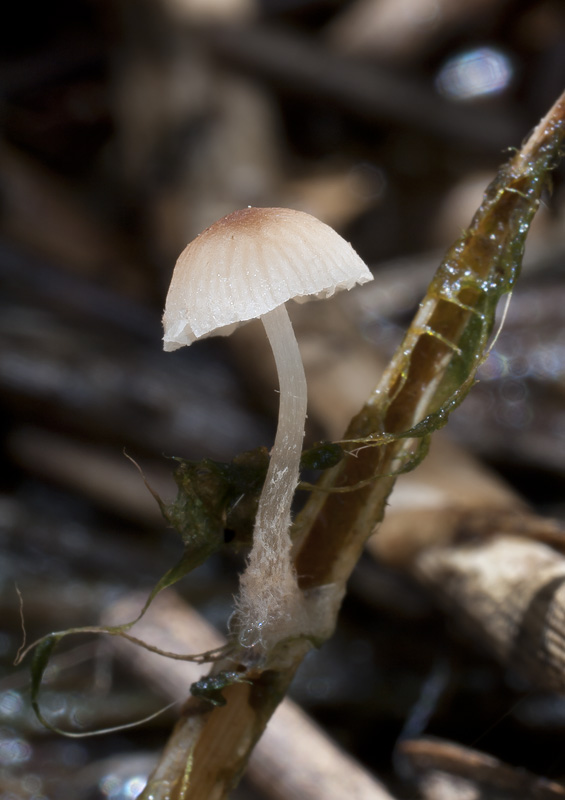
(446, 771)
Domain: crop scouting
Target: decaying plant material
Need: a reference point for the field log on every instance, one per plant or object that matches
(321, 767)
(445, 771)
(429, 376)
(511, 591)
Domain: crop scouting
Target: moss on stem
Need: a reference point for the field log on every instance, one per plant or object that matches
(428, 376)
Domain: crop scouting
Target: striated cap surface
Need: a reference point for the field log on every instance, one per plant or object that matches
(250, 262)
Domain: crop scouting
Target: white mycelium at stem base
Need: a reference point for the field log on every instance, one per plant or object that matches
(247, 266)
(270, 606)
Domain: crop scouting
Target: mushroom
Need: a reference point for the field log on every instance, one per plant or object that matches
(246, 266)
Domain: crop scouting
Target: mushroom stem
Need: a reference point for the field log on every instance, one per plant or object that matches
(270, 605)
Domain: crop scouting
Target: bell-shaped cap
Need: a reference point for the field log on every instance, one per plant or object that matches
(250, 262)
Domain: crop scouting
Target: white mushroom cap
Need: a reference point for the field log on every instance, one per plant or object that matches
(249, 263)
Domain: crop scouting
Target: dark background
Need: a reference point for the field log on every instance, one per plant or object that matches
(126, 128)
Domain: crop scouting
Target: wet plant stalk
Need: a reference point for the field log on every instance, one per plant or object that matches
(429, 375)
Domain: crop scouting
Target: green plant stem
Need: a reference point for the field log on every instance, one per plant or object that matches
(428, 376)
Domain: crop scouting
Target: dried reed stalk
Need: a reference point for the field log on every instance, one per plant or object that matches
(429, 374)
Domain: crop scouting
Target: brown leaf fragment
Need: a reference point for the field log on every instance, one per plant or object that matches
(509, 594)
